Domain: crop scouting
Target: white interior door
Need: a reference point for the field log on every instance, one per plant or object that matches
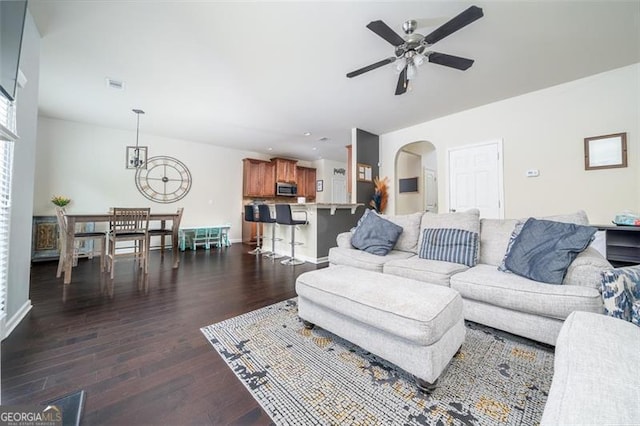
(475, 179)
(338, 190)
(431, 191)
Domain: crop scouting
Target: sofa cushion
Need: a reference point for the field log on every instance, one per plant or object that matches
(512, 239)
(376, 235)
(429, 271)
(450, 245)
(586, 269)
(595, 378)
(468, 220)
(495, 233)
(621, 291)
(484, 283)
(410, 223)
(579, 218)
(494, 238)
(544, 249)
(362, 259)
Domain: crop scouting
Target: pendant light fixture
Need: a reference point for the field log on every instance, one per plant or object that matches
(137, 161)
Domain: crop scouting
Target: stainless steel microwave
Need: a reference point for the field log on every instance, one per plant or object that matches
(286, 189)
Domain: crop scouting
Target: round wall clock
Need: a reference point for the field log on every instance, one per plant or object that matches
(165, 180)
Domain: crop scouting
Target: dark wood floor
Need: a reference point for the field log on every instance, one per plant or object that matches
(138, 352)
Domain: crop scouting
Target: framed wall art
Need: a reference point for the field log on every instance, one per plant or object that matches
(364, 172)
(605, 152)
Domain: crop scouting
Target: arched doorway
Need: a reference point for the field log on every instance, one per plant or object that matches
(416, 187)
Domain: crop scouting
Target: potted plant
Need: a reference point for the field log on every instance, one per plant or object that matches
(60, 200)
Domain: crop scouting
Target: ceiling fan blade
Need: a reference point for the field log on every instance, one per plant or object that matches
(403, 82)
(462, 20)
(384, 31)
(371, 67)
(450, 61)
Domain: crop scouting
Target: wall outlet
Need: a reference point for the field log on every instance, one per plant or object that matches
(533, 173)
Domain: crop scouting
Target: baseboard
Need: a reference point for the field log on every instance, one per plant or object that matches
(16, 318)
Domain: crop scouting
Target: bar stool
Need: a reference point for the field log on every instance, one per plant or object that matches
(284, 217)
(249, 216)
(264, 213)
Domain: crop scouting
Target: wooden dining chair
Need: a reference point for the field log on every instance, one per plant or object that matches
(163, 233)
(128, 224)
(78, 237)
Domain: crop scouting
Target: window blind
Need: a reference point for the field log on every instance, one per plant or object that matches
(6, 163)
(7, 119)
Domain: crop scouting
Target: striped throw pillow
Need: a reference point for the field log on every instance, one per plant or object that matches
(450, 245)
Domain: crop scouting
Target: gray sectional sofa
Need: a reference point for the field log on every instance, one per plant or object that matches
(595, 381)
(498, 299)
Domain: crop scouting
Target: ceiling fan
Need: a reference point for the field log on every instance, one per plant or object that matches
(412, 50)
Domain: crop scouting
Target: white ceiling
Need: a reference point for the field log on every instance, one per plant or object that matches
(257, 75)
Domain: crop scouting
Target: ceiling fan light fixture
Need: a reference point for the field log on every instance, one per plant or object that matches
(411, 71)
(411, 50)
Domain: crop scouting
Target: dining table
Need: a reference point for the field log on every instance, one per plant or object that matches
(75, 218)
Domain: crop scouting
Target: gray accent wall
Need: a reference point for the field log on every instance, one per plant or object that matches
(23, 177)
(367, 152)
(329, 226)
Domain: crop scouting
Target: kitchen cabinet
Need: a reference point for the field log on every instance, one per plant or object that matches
(258, 178)
(286, 170)
(306, 182)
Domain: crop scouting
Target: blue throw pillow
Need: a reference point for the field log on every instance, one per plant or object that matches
(450, 245)
(621, 293)
(366, 212)
(375, 235)
(544, 249)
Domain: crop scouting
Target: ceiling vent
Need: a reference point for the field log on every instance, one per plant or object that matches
(115, 84)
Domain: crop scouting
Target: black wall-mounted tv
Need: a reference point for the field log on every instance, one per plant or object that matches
(408, 185)
(12, 14)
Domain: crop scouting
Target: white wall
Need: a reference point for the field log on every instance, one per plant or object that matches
(87, 164)
(545, 130)
(18, 303)
(324, 172)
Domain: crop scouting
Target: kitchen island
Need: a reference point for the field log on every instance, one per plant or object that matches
(326, 221)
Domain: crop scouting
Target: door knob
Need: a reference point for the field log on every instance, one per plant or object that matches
(452, 210)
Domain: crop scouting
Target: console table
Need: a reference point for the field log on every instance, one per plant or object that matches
(623, 244)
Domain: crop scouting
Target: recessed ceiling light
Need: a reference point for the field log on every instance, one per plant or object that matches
(307, 133)
(314, 148)
(269, 149)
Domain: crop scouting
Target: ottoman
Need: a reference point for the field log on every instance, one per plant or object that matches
(415, 325)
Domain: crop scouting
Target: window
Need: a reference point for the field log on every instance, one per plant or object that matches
(6, 163)
(7, 119)
(7, 135)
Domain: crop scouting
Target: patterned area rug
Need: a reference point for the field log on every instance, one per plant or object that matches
(312, 377)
